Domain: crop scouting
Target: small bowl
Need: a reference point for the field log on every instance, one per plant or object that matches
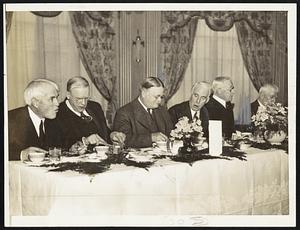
(36, 156)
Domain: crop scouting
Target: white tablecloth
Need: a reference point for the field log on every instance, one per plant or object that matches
(208, 187)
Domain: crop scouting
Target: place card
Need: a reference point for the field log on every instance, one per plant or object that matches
(215, 137)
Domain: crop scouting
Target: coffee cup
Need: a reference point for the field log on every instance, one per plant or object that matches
(101, 150)
(36, 156)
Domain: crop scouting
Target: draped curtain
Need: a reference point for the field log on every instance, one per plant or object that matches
(8, 18)
(259, 22)
(95, 36)
(176, 47)
(42, 47)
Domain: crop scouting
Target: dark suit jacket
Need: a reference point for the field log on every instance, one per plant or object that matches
(254, 107)
(22, 134)
(217, 111)
(133, 120)
(183, 109)
(74, 128)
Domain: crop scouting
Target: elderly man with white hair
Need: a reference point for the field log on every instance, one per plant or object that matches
(266, 96)
(31, 128)
(220, 107)
(194, 107)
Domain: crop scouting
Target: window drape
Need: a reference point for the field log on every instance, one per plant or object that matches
(95, 36)
(42, 47)
(8, 18)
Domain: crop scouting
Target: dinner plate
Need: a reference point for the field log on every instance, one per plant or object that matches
(139, 158)
(28, 162)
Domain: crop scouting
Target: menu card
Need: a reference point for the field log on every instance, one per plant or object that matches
(215, 137)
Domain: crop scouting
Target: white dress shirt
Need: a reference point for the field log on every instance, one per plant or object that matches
(194, 112)
(220, 100)
(36, 120)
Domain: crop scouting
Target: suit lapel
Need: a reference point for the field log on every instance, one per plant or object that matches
(29, 127)
(187, 110)
(142, 116)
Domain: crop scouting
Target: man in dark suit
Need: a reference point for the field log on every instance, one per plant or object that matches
(220, 107)
(194, 108)
(267, 95)
(31, 128)
(83, 120)
(144, 120)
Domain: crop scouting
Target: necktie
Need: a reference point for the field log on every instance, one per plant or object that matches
(149, 111)
(196, 116)
(228, 104)
(42, 133)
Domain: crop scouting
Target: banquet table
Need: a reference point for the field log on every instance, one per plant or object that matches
(258, 185)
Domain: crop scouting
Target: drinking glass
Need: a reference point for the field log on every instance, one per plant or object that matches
(54, 153)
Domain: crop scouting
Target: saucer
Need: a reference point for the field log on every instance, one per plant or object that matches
(31, 163)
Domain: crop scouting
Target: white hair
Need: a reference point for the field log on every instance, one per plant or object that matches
(219, 83)
(35, 89)
(202, 84)
(266, 88)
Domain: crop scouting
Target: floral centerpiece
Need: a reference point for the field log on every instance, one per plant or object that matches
(189, 132)
(271, 121)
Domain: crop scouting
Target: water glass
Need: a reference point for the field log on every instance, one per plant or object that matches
(54, 153)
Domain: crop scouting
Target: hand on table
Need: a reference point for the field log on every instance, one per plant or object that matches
(24, 153)
(158, 137)
(94, 139)
(118, 137)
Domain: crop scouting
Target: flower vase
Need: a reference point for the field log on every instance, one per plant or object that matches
(187, 147)
(275, 137)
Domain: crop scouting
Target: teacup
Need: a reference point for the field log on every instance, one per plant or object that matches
(102, 150)
(36, 156)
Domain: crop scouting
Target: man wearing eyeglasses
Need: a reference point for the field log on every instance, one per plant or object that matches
(82, 119)
(144, 120)
(220, 107)
(267, 96)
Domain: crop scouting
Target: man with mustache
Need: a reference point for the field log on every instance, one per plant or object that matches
(31, 128)
(194, 107)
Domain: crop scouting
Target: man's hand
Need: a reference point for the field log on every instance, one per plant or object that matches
(118, 137)
(158, 137)
(94, 139)
(25, 152)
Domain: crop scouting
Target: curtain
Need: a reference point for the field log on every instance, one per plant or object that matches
(95, 37)
(40, 47)
(8, 18)
(215, 54)
(177, 41)
(265, 59)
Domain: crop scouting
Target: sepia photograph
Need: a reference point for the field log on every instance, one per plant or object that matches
(149, 114)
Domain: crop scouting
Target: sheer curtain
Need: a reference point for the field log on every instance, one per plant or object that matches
(42, 47)
(215, 54)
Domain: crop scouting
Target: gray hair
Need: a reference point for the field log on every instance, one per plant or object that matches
(35, 89)
(202, 84)
(219, 82)
(267, 88)
(77, 81)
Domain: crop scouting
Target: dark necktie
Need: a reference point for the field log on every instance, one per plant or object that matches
(42, 134)
(228, 105)
(149, 111)
(196, 116)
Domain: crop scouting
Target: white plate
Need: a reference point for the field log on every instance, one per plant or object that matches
(141, 159)
(28, 162)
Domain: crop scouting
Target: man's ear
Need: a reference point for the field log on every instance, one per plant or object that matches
(35, 102)
(68, 95)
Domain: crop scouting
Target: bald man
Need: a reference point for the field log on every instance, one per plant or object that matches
(194, 107)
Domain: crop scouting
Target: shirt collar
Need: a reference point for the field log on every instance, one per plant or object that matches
(260, 104)
(36, 120)
(77, 113)
(143, 104)
(220, 100)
